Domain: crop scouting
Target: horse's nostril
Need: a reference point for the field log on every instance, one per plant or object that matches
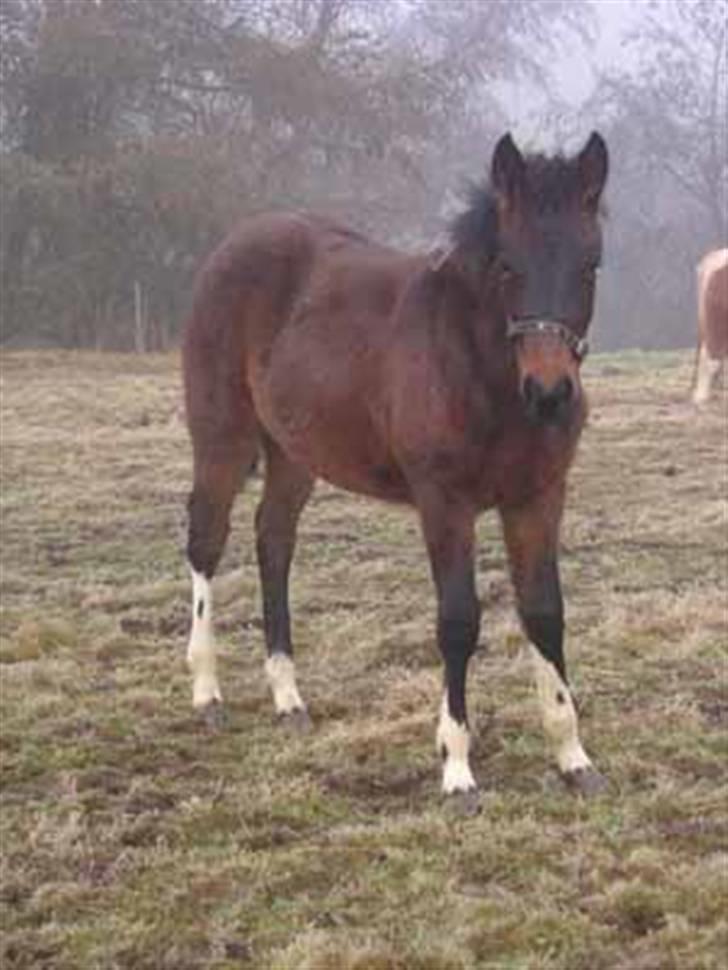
(547, 405)
(564, 390)
(531, 390)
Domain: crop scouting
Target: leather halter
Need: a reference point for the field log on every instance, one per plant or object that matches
(579, 346)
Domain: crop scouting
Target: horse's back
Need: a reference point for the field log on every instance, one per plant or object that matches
(264, 259)
(270, 262)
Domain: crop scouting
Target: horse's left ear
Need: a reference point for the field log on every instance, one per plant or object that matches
(593, 165)
(507, 169)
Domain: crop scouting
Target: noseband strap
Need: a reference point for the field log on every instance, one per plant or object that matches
(579, 346)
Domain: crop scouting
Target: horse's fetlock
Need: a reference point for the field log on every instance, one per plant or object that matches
(205, 690)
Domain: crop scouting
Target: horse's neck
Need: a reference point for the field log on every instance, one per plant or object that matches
(469, 356)
(480, 322)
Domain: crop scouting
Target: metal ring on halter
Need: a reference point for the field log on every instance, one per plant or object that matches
(579, 346)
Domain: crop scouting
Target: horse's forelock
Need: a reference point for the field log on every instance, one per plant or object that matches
(551, 183)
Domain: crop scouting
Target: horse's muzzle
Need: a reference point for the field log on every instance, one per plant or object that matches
(551, 405)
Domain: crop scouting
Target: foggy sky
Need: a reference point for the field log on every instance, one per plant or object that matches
(574, 72)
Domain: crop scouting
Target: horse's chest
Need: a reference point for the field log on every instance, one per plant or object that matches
(522, 467)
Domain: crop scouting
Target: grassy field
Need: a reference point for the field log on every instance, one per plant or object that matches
(133, 837)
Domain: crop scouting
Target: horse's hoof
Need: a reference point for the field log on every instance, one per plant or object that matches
(297, 721)
(466, 804)
(585, 781)
(213, 715)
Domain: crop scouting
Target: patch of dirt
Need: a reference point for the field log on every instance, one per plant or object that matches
(715, 712)
(691, 827)
(272, 837)
(142, 831)
(411, 656)
(149, 800)
(21, 950)
(110, 780)
(383, 788)
(172, 624)
(699, 768)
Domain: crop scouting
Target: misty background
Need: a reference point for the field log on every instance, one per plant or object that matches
(134, 133)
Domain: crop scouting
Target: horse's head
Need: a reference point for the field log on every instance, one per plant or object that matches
(530, 245)
(548, 248)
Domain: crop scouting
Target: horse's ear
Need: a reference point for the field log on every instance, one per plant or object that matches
(593, 165)
(507, 168)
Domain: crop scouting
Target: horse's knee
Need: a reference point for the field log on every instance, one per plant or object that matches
(207, 531)
(276, 521)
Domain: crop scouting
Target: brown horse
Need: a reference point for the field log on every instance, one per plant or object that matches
(712, 322)
(447, 382)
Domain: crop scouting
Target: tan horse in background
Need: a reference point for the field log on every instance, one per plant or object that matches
(712, 347)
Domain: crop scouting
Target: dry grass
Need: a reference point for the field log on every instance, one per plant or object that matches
(132, 838)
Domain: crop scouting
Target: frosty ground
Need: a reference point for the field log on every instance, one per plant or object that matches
(135, 838)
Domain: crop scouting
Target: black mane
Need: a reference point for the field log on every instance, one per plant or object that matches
(550, 184)
(476, 228)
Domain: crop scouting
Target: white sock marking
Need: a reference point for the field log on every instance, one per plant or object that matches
(708, 368)
(558, 715)
(454, 738)
(201, 649)
(281, 674)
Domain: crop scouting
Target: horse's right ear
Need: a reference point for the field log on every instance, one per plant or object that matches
(507, 168)
(593, 166)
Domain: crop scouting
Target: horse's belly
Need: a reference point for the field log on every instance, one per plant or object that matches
(347, 458)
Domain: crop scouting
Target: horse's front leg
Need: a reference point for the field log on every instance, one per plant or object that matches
(449, 530)
(531, 536)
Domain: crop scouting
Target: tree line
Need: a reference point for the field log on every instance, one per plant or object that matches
(135, 132)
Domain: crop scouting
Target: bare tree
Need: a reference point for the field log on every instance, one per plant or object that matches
(136, 131)
(676, 98)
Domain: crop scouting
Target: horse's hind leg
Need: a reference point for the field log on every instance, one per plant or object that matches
(286, 491)
(221, 462)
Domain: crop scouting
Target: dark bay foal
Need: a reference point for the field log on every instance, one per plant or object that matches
(447, 382)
